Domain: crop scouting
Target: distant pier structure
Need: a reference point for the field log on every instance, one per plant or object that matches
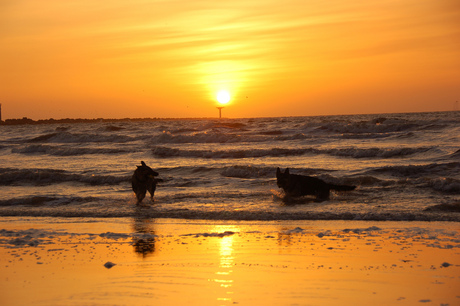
(220, 111)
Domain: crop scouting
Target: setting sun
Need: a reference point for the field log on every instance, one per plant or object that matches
(223, 97)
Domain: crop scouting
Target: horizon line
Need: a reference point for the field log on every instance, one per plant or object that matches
(26, 120)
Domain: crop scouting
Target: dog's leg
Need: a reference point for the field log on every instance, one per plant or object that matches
(151, 187)
(287, 199)
(138, 188)
(140, 194)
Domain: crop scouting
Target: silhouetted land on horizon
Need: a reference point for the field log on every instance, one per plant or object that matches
(26, 120)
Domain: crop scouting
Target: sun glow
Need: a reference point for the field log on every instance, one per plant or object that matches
(223, 97)
(259, 54)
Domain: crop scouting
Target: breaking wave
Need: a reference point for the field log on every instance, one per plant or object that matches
(39, 177)
(66, 137)
(65, 150)
(116, 208)
(378, 125)
(45, 200)
(445, 184)
(202, 137)
(420, 170)
(248, 172)
(456, 154)
(167, 152)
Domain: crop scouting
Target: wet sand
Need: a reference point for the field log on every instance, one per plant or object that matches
(58, 261)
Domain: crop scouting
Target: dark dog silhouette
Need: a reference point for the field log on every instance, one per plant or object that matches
(144, 179)
(295, 185)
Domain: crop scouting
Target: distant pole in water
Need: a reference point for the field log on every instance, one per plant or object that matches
(220, 111)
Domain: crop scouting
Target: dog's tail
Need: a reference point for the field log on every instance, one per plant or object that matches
(342, 187)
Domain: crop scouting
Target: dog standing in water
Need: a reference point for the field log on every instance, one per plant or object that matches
(295, 185)
(144, 179)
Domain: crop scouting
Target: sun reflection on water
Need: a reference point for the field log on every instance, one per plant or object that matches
(224, 276)
(226, 252)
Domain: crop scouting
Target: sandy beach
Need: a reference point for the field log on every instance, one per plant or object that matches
(58, 261)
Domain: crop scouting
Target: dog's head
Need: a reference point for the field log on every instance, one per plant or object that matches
(144, 172)
(282, 179)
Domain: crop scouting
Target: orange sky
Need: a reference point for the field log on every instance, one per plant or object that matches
(139, 58)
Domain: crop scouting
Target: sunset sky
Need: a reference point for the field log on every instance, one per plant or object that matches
(139, 58)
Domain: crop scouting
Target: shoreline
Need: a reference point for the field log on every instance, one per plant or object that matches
(427, 215)
(126, 261)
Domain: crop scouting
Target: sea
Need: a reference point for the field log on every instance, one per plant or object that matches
(406, 167)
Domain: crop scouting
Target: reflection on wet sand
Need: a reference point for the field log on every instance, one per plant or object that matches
(252, 263)
(144, 245)
(224, 276)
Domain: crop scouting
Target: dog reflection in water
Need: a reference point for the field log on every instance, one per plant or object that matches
(144, 180)
(144, 239)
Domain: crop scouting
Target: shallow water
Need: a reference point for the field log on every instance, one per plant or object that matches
(405, 167)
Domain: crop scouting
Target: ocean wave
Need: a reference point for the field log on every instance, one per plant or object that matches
(62, 128)
(225, 137)
(376, 152)
(248, 172)
(359, 180)
(35, 201)
(201, 137)
(64, 150)
(179, 182)
(272, 132)
(210, 132)
(456, 154)
(167, 152)
(237, 215)
(374, 126)
(377, 125)
(11, 176)
(182, 130)
(301, 136)
(445, 185)
(225, 125)
(443, 169)
(112, 128)
(449, 207)
(66, 137)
